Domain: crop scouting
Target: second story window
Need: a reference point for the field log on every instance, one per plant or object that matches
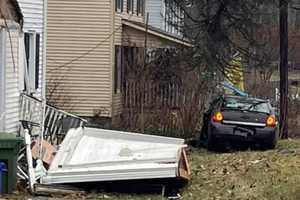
(140, 5)
(119, 5)
(130, 6)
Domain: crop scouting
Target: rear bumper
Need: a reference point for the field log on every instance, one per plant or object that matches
(255, 134)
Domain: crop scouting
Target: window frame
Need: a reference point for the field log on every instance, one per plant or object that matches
(32, 58)
(130, 6)
(119, 4)
(140, 7)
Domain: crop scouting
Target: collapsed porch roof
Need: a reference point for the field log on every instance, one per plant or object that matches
(157, 32)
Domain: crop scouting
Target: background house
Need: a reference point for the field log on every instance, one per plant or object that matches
(87, 45)
(166, 15)
(11, 20)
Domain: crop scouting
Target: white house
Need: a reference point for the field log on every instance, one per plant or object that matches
(10, 31)
(21, 27)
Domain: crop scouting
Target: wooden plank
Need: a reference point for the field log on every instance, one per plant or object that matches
(184, 170)
(56, 189)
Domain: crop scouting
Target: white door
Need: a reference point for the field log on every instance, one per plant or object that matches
(2, 79)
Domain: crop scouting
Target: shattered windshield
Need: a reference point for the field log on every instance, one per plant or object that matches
(246, 105)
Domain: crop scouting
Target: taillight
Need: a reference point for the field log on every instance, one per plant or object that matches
(217, 117)
(271, 121)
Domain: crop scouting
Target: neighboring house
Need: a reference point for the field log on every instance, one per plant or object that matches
(20, 58)
(87, 44)
(166, 15)
(11, 20)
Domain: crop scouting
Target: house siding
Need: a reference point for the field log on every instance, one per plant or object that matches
(79, 55)
(154, 8)
(133, 37)
(33, 21)
(2, 79)
(11, 81)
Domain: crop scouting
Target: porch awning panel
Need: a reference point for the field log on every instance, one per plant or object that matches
(88, 155)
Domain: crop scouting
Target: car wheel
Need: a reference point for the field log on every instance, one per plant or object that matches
(272, 142)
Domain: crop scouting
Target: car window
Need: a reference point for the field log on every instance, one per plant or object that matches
(246, 104)
(262, 107)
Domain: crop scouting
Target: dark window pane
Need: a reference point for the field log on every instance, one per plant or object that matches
(27, 46)
(37, 60)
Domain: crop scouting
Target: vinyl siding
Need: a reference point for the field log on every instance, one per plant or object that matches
(33, 21)
(79, 55)
(2, 79)
(124, 15)
(154, 8)
(133, 37)
(11, 82)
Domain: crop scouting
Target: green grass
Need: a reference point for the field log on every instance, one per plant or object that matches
(244, 175)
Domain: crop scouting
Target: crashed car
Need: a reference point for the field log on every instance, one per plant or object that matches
(236, 118)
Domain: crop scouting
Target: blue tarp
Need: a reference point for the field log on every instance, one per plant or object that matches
(234, 89)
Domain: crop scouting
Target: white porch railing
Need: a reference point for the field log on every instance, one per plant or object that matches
(57, 122)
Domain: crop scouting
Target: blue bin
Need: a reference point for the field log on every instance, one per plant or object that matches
(3, 174)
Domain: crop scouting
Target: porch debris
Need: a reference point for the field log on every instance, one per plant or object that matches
(93, 155)
(57, 189)
(48, 151)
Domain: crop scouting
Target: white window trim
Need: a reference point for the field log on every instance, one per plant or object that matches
(32, 62)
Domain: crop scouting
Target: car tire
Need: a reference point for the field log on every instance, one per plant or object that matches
(210, 140)
(273, 142)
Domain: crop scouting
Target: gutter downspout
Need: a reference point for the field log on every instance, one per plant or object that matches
(43, 87)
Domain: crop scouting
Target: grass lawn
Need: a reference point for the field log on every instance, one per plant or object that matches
(245, 175)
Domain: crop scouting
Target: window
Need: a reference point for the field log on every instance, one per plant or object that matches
(246, 105)
(140, 5)
(32, 53)
(119, 5)
(130, 6)
(173, 17)
(118, 69)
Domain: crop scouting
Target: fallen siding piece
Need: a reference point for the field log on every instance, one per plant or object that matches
(92, 155)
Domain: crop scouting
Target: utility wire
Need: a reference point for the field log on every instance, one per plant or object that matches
(85, 53)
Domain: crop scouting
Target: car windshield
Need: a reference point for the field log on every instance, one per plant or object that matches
(245, 104)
